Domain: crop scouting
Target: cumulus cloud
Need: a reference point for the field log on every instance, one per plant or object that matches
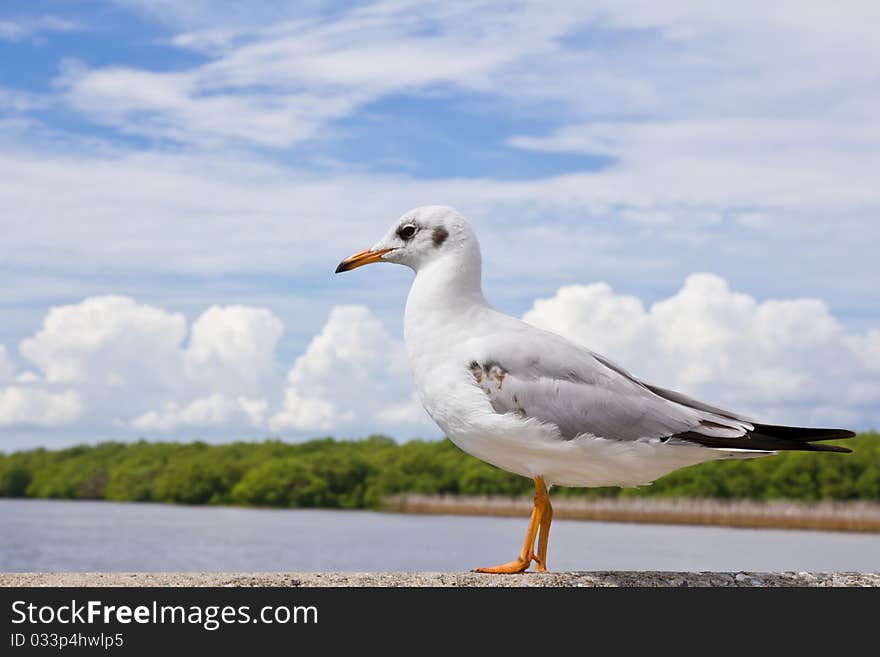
(353, 376)
(105, 340)
(113, 365)
(141, 367)
(783, 360)
(212, 411)
(22, 406)
(233, 343)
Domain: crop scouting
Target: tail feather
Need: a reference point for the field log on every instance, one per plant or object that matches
(771, 437)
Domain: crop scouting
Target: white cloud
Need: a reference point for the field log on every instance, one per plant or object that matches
(727, 165)
(22, 406)
(280, 83)
(105, 340)
(352, 377)
(406, 413)
(231, 350)
(278, 75)
(212, 411)
(180, 107)
(207, 15)
(308, 413)
(111, 365)
(783, 360)
(535, 234)
(188, 212)
(17, 101)
(27, 28)
(735, 139)
(233, 343)
(7, 370)
(870, 347)
(254, 409)
(132, 365)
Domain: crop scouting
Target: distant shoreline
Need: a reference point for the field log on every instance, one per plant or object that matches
(834, 516)
(776, 514)
(359, 474)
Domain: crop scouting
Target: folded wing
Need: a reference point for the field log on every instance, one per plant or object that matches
(540, 375)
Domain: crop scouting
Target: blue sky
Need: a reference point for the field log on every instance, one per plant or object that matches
(200, 155)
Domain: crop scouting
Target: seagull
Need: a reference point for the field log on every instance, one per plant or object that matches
(533, 403)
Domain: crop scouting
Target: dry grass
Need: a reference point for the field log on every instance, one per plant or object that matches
(779, 514)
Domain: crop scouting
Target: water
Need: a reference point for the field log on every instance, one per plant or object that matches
(43, 535)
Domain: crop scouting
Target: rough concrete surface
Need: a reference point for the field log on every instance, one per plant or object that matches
(565, 579)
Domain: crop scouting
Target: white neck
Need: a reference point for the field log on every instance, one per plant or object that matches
(444, 288)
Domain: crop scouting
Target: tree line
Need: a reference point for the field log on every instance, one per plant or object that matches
(356, 474)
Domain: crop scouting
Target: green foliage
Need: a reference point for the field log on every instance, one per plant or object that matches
(354, 474)
(284, 482)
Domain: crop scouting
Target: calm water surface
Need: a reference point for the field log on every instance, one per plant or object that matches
(41, 535)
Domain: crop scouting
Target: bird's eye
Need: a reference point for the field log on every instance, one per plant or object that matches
(406, 232)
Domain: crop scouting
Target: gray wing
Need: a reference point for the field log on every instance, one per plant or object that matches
(540, 375)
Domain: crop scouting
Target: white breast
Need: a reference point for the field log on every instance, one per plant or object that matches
(445, 315)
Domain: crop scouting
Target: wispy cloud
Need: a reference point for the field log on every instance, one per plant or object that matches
(21, 102)
(289, 70)
(30, 28)
(279, 85)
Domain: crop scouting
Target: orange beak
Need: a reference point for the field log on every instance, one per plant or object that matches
(361, 258)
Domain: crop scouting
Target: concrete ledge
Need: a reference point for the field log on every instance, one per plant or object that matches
(570, 579)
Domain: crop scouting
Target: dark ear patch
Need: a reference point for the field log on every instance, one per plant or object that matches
(439, 236)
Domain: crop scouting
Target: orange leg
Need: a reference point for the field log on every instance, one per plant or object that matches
(527, 555)
(543, 538)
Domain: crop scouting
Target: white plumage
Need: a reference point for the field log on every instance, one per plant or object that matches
(530, 401)
(534, 403)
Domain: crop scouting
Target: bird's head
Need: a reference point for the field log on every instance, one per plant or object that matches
(419, 237)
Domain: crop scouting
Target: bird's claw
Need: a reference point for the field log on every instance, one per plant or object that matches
(509, 568)
(540, 566)
(514, 567)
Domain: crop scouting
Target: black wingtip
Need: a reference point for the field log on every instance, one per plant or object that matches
(808, 434)
(775, 438)
(818, 447)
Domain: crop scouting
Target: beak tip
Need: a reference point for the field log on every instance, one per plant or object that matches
(360, 258)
